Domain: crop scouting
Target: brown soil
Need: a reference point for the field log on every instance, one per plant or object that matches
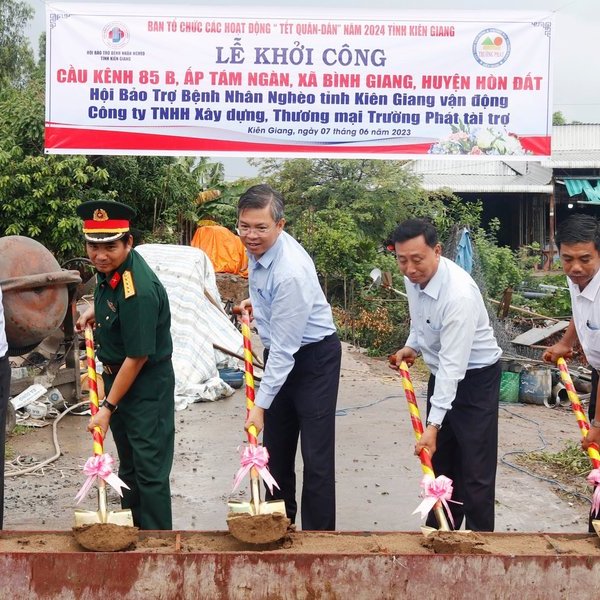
(303, 542)
(105, 537)
(456, 542)
(232, 287)
(258, 529)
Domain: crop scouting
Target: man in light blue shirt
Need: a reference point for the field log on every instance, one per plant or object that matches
(449, 326)
(297, 396)
(4, 393)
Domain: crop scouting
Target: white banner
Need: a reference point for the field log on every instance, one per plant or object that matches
(198, 80)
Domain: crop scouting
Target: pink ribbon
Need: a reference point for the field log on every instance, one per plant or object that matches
(101, 467)
(436, 489)
(594, 479)
(258, 457)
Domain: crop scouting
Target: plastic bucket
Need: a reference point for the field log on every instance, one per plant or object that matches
(509, 386)
(234, 377)
(536, 385)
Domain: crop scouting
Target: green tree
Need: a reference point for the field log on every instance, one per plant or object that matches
(338, 247)
(373, 192)
(16, 55)
(39, 195)
(22, 117)
(558, 118)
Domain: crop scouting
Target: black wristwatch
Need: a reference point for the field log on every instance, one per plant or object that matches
(107, 404)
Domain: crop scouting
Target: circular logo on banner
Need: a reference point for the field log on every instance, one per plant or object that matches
(115, 35)
(491, 47)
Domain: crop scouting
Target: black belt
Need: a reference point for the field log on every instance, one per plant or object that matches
(114, 369)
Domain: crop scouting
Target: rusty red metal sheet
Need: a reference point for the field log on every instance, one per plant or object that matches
(293, 574)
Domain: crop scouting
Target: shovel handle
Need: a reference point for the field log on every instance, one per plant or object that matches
(593, 450)
(417, 424)
(248, 375)
(93, 387)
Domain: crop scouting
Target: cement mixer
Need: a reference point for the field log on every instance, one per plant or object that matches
(38, 301)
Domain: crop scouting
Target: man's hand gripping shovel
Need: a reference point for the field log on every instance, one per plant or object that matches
(99, 467)
(257, 521)
(593, 450)
(437, 492)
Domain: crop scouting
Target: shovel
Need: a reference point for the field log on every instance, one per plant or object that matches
(593, 450)
(86, 518)
(270, 523)
(424, 456)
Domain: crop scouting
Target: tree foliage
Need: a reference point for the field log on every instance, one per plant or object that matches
(354, 186)
(16, 55)
(558, 118)
(39, 195)
(342, 210)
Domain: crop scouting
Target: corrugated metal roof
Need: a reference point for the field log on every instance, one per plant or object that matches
(575, 147)
(488, 176)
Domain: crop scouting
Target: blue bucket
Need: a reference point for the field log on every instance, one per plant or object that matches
(234, 377)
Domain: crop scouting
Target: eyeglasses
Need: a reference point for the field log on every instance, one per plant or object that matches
(260, 230)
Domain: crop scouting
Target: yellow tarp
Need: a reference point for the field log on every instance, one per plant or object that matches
(224, 248)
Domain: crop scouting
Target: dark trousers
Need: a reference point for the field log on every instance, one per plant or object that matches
(467, 448)
(591, 413)
(4, 393)
(305, 408)
(143, 428)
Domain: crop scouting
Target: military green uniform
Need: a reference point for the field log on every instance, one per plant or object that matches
(133, 319)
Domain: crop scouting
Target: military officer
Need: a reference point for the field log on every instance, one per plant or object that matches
(133, 340)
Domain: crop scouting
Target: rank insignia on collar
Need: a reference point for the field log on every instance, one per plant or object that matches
(114, 280)
(111, 306)
(128, 287)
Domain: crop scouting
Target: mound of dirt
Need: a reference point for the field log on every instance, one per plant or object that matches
(258, 529)
(105, 537)
(456, 542)
(232, 287)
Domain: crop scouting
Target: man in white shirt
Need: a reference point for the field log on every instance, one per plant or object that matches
(297, 396)
(578, 241)
(4, 393)
(449, 326)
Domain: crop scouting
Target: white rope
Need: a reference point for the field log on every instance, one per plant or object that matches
(42, 464)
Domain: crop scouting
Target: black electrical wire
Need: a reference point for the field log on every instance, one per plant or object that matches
(342, 412)
(543, 447)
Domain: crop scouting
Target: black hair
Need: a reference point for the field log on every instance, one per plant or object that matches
(578, 229)
(259, 196)
(412, 228)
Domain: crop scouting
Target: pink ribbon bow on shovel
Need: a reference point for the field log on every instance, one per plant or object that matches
(594, 479)
(258, 457)
(101, 467)
(436, 489)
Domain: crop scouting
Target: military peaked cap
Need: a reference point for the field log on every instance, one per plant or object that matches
(105, 220)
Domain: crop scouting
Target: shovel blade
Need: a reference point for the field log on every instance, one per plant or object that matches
(271, 507)
(123, 516)
(264, 508)
(116, 517)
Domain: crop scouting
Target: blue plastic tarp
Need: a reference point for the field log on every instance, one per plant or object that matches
(578, 186)
(464, 251)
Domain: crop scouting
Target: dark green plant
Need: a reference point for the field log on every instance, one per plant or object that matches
(39, 195)
(499, 264)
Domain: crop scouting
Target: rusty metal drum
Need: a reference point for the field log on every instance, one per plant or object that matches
(34, 290)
